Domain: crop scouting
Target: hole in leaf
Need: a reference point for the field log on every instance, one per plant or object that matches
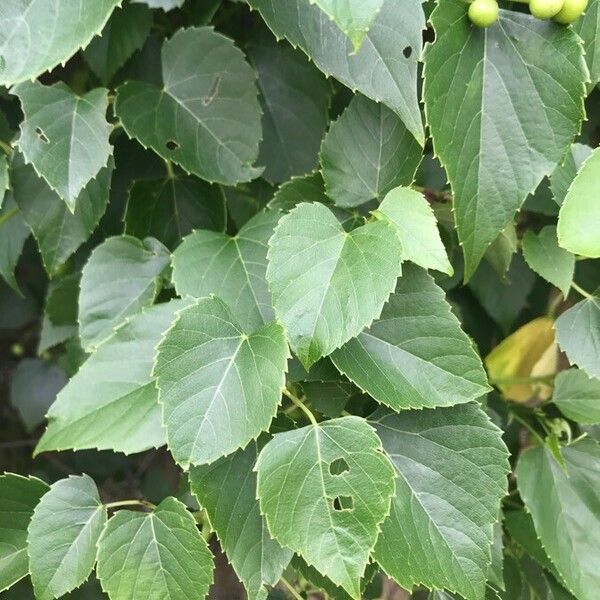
(343, 503)
(407, 52)
(338, 466)
(212, 93)
(42, 135)
(172, 145)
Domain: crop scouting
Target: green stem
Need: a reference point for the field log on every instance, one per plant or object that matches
(8, 215)
(6, 147)
(300, 405)
(581, 291)
(529, 428)
(291, 589)
(521, 380)
(170, 172)
(122, 503)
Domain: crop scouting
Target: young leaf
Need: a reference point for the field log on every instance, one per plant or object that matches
(58, 231)
(415, 355)
(295, 98)
(324, 490)
(232, 268)
(206, 115)
(415, 221)
(64, 136)
(588, 28)
(367, 152)
(121, 277)
(497, 125)
(565, 506)
(171, 208)
(112, 401)
(451, 467)
(62, 536)
(18, 498)
(578, 334)
(376, 70)
(227, 492)
(36, 37)
(578, 396)
(327, 285)
(13, 234)
(219, 385)
(562, 177)
(579, 218)
(548, 259)
(155, 555)
(125, 32)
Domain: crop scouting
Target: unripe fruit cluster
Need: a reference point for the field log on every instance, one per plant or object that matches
(484, 13)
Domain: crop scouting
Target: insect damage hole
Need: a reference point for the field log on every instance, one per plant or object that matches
(172, 145)
(338, 466)
(407, 52)
(42, 135)
(341, 503)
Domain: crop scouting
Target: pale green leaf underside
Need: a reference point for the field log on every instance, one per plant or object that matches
(62, 536)
(57, 231)
(206, 116)
(161, 554)
(227, 492)
(218, 384)
(36, 35)
(121, 277)
(415, 221)
(562, 177)
(588, 27)
(548, 259)
(308, 508)
(578, 334)
(503, 104)
(578, 396)
(166, 5)
(4, 183)
(566, 510)
(327, 285)
(451, 467)
(415, 355)
(18, 498)
(64, 136)
(232, 268)
(579, 219)
(367, 152)
(112, 401)
(379, 70)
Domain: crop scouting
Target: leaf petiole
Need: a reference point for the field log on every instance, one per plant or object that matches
(300, 405)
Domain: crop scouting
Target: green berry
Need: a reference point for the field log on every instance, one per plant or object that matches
(571, 11)
(545, 9)
(483, 13)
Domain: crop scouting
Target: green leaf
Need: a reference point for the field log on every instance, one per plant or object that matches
(122, 276)
(206, 115)
(38, 35)
(324, 490)
(327, 285)
(385, 67)
(562, 177)
(367, 152)
(415, 221)
(451, 467)
(4, 180)
(34, 386)
(58, 231)
(501, 251)
(155, 555)
(166, 5)
(227, 492)
(502, 116)
(353, 17)
(13, 234)
(219, 384)
(580, 212)
(415, 355)
(309, 188)
(64, 136)
(578, 334)
(18, 498)
(295, 99)
(548, 259)
(588, 28)
(169, 209)
(577, 396)
(232, 268)
(112, 401)
(565, 507)
(62, 536)
(125, 32)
